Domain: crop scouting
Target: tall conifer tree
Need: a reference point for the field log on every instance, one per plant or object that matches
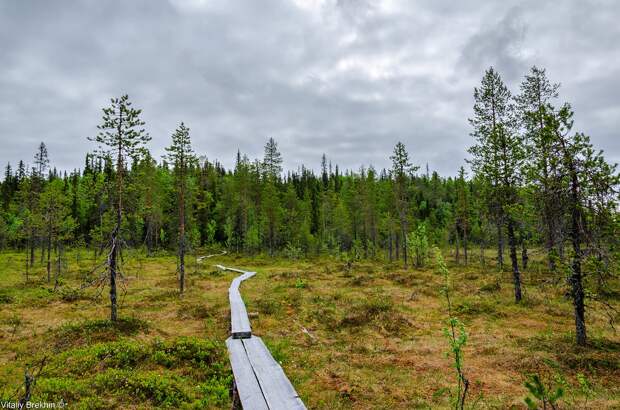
(498, 154)
(121, 137)
(180, 154)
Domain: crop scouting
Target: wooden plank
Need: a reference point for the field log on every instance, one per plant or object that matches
(278, 391)
(248, 389)
(231, 269)
(239, 322)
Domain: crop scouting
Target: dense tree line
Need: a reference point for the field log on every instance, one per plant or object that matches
(535, 183)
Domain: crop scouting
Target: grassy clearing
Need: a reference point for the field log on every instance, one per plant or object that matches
(359, 338)
(165, 351)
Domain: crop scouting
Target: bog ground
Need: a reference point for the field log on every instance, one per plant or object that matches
(369, 335)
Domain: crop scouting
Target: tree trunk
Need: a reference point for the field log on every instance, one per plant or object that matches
(114, 251)
(576, 280)
(457, 244)
(548, 206)
(404, 234)
(113, 267)
(28, 383)
(49, 255)
(58, 265)
(182, 238)
(550, 244)
(465, 245)
(524, 256)
(32, 245)
(516, 276)
(500, 245)
(27, 266)
(397, 246)
(149, 239)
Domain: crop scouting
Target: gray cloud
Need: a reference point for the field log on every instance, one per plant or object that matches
(346, 77)
(500, 45)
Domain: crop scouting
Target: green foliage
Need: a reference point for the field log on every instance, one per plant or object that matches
(300, 284)
(5, 298)
(183, 372)
(98, 330)
(585, 389)
(164, 392)
(375, 307)
(541, 394)
(292, 251)
(71, 294)
(419, 245)
(279, 349)
(268, 305)
(120, 130)
(455, 333)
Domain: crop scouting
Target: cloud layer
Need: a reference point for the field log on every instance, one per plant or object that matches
(346, 77)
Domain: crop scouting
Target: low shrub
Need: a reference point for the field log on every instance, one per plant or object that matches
(370, 309)
(164, 391)
(194, 312)
(82, 333)
(71, 294)
(268, 305)
(5, 298)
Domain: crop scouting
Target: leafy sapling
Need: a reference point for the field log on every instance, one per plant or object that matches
(456, 335)
(418, 245)
(542, 395)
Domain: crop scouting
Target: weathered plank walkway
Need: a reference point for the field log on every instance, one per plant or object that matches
(260, 382)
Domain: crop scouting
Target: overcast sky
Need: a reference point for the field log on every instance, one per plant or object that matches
(346, 77)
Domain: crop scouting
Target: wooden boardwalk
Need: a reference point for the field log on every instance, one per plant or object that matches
(259, 381)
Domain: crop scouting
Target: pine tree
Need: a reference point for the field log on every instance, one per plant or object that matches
(120, 136)
(462, 212)
(590, 186)
(536, 92)
(41, 164)
(151, 187)
(41, 161)
(180, 154)
(401, 172)
(498, 155)
(56, 221)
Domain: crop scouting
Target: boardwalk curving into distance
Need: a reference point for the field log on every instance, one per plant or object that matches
(259, 381)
